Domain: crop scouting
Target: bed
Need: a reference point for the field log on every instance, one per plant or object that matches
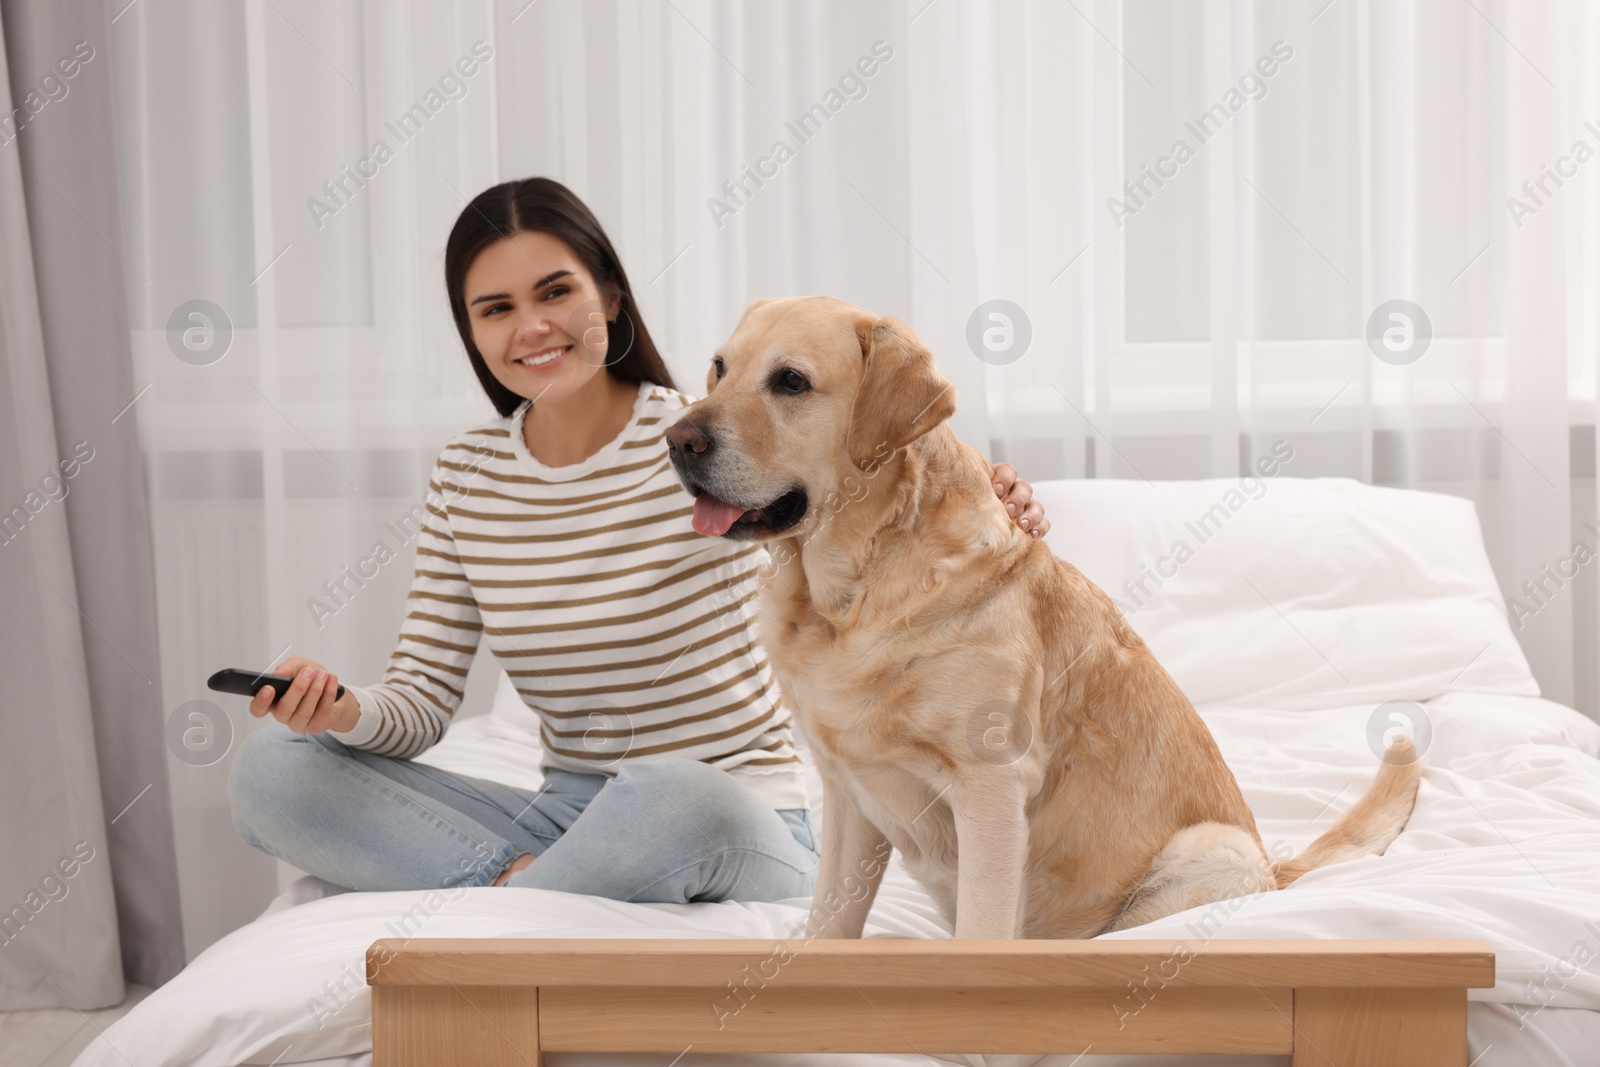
(1307, 618)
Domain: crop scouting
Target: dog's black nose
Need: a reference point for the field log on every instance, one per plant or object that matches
(686, 437)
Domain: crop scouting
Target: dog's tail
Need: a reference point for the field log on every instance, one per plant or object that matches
(1368, 827)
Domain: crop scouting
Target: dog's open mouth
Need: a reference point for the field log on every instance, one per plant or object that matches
(718, 518)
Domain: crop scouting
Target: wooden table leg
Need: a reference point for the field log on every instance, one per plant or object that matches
(1380, 1028)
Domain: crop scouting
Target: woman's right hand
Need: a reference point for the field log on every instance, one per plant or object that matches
(308, 707)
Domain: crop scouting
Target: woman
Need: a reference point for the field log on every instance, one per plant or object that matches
(560, 535)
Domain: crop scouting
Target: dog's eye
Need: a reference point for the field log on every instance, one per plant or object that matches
(792, 381)
(716, 364)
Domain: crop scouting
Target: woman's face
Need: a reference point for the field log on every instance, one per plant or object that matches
(537, 316)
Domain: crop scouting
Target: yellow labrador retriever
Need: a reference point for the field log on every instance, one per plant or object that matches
(970, 699)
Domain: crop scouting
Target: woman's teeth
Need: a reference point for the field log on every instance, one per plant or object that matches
(536, 361)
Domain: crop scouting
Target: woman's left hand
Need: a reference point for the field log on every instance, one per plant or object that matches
(1018, 498)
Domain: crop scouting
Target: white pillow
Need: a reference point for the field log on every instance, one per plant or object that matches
(1295, 593)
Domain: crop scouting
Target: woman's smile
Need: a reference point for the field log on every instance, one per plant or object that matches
(544, 359)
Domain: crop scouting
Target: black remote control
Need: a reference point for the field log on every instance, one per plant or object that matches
(248, 683)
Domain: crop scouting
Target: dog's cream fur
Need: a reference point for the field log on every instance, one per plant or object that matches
(969, 697)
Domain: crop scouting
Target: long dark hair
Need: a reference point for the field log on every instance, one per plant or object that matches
(546, 206)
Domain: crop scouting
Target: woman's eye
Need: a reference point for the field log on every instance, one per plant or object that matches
(793, 381)
(556, 290)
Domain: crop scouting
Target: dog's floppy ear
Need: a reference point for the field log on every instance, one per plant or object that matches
(902, 394)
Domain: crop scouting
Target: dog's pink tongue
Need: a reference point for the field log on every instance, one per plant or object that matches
(713, 517)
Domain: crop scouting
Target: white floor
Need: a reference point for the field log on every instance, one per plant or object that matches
(54, 1038)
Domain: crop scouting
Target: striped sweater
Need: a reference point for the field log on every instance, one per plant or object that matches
(626, 632)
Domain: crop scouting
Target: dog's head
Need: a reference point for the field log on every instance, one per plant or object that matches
(807, 394)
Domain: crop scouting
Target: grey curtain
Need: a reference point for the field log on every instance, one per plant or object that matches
(88, 870)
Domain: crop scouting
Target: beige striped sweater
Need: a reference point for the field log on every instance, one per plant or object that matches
(626, 632)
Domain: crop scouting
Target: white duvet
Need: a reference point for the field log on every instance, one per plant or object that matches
(1306, 605)
(1504, 845)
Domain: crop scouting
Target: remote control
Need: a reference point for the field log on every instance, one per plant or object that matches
(248, 683)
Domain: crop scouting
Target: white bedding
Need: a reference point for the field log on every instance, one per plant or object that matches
(1504, 844)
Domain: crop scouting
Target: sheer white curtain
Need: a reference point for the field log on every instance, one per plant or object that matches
(297, 164)
(1293, 169)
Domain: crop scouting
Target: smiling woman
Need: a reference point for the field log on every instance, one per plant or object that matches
(549, 339)
(571, 555)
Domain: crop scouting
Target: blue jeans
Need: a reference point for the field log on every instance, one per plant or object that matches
(669, 830)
